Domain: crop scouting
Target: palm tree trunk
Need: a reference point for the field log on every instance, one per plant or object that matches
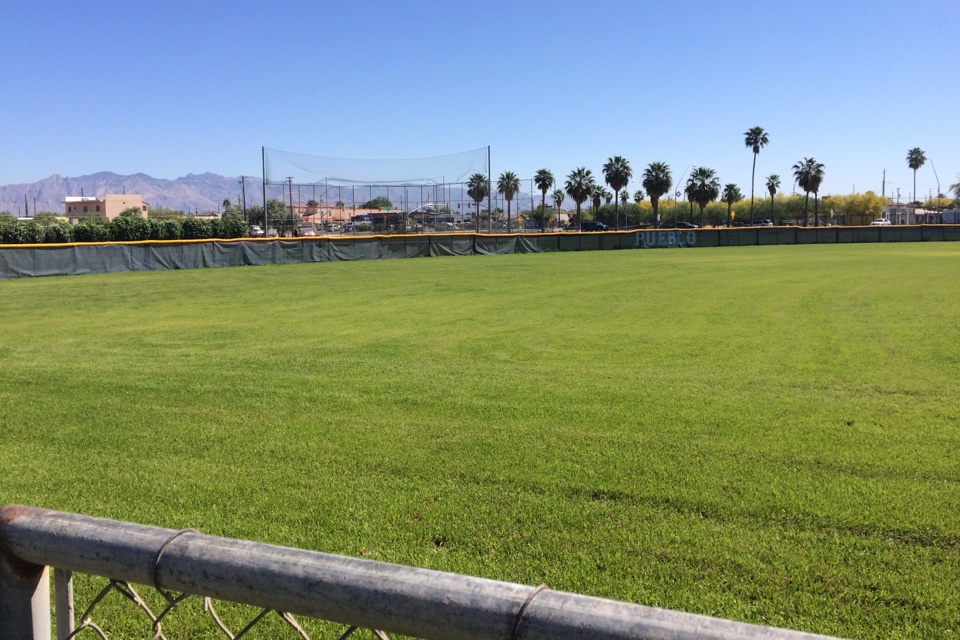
(543, 212)
(729, 205)
(806, 201)
(508, 216)
(816, 211)
(616, 215)
(656, 212)
(701, 216)
(753, 173)
(771, 209)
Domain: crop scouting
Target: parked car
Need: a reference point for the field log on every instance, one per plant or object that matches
(880, 223)
(256, 231)
(686, 225)
(590, 225)
(764, 223)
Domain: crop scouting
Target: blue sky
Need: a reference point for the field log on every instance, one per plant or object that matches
(180, 87)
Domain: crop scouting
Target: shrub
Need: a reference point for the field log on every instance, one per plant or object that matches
(126, 228)
(59, 232)
(216, 228)
(33, 232)
(195, 229)
(10, 232)
(165, 230)
(89, 231)
(234, 228)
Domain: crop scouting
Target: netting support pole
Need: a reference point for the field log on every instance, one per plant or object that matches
(489, 193)
(263, 165)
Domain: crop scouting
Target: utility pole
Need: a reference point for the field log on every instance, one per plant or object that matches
(26, 207)
(883, 189)
(243, 195)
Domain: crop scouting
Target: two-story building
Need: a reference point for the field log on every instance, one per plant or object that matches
(108, 206)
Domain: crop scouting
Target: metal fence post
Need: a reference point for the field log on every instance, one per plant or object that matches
(63, 596)
(24, 598)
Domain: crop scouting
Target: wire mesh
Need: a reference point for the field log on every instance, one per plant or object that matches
(128, 606)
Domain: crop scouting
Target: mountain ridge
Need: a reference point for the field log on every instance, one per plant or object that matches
(194, 192)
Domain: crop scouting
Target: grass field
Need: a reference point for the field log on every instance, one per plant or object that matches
(769, 434)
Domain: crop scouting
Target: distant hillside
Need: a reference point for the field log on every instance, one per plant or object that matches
(204, 192)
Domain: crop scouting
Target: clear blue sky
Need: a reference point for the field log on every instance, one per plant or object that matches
(171, 88)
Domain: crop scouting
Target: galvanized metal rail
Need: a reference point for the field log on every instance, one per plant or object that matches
(360, 593)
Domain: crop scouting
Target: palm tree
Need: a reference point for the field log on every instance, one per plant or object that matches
(477, 188)
(638, 196)
(557, 196)
(703, 187)
(617, 174)
(656, 182)
(809, 174)
(508, 184)
(597, 195)
(731, 195)
(544, 179)
(773, 183)
(755, 138)
(579, 186)
(915, 159)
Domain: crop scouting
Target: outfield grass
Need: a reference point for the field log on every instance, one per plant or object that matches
(769, 434)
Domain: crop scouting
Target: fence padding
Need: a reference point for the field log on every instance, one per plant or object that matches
(17, 261)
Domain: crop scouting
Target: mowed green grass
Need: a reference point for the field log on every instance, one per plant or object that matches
(769, 434)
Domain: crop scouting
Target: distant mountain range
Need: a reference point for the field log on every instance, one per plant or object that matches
(204, 192)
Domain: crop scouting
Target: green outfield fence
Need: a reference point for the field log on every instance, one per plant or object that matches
(17, 261)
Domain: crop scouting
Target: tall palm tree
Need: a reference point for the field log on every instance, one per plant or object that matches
(638, 196)
(508, 184)
(478, 187)
(916, 158)
(703, 187)
(544, 179)
(773, 183)
(656, 182)
(579, 186)
(617, 174)
(731, 195)
(755, 138)
(809, 174)
(557, 196)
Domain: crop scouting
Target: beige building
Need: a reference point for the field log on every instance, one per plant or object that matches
(109, 206)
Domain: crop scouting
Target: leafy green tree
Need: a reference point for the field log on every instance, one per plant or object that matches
(773, 183)
(544, 180)
(703, 187)
(162, 213)
(478, 188)
(45, 218)
(5, 216)
(165, 230)
(32, 232)
(916, 158)
(809, 174)
(731, 195)
(508, 184)
(657, 181)
(380, 203)
(755, 138)
(617, 174)
(131, 212)
(579, 186)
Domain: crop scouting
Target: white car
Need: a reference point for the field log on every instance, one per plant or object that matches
(880, 223)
